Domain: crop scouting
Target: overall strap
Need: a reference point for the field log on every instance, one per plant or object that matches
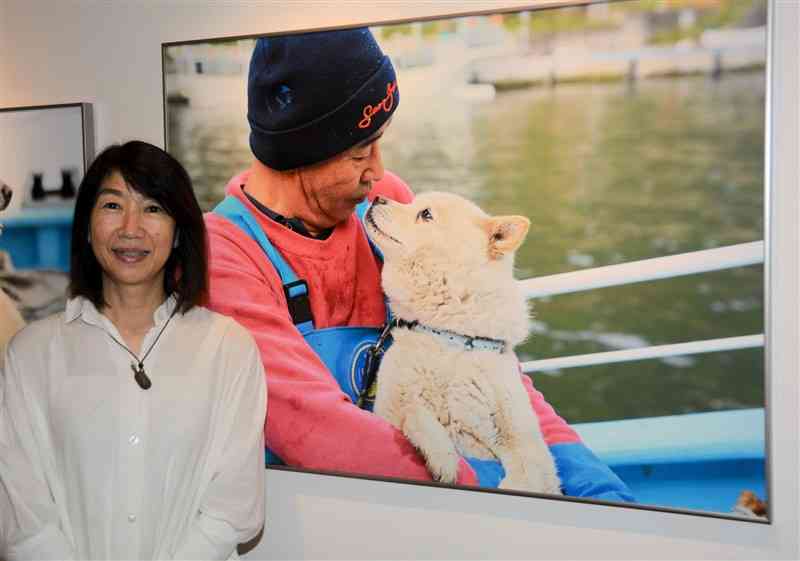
(295, 289)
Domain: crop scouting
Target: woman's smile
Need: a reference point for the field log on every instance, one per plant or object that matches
(130, 255)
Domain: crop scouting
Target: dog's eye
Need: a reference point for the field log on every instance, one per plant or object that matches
(424, 215)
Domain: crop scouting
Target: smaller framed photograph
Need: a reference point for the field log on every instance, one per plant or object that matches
(44, 153)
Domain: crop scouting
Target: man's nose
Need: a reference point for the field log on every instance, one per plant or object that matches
(376, 162)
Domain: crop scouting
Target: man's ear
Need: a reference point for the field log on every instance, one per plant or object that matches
(506, 234)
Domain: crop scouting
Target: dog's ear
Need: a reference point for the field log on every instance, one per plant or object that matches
(506, 234)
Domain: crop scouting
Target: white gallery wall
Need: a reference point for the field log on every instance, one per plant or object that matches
(108, 53)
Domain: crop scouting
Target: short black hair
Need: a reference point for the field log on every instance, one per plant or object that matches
(155, 174)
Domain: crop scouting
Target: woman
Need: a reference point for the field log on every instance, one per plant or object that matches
(10, 319)
(132, 422)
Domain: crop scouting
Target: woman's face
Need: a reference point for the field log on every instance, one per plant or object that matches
(131, 236)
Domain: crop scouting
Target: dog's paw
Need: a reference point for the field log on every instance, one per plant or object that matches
(515, 484)
(443, 467)
(536, 482)
(552, 485)
(444, 474)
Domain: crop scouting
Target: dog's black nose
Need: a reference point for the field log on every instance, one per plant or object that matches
(379, 201)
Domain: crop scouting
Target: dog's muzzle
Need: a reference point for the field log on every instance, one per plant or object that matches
(369, 218)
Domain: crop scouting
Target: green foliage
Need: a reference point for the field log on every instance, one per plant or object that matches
(730, 13)
(512, 22)
(388, 31)
(563, 20)
(672, 36)
(431, 28)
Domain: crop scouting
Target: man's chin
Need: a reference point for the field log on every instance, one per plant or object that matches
(354, 202)
(365, 189)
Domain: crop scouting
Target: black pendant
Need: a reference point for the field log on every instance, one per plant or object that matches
(140, 377)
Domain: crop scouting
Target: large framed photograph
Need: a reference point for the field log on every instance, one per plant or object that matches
(632, 135)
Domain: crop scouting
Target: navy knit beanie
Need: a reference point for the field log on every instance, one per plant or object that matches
(311, 96)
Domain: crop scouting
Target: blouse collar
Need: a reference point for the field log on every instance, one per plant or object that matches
(81, 307)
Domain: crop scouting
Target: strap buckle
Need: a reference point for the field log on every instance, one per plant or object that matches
(297, 300)
(373, 362)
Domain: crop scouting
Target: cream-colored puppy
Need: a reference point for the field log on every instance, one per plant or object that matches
(10, 319)
(450, 381)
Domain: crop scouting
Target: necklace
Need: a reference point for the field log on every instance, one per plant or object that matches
(138, 367)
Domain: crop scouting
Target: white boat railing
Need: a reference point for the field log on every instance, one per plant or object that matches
(740, 255)
(703, 261)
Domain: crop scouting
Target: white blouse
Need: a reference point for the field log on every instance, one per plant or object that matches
(94, 467)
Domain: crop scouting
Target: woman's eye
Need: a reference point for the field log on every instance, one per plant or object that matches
(425, 215)
(111, 205)
(153, 208)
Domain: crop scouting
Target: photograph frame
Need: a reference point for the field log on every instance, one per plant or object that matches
(43, 225)
(766, 255)
(87, 124)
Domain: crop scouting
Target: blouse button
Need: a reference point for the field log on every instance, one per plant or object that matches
(131, 518)
(134, 440)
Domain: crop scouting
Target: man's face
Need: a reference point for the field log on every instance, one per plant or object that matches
(334, 187)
